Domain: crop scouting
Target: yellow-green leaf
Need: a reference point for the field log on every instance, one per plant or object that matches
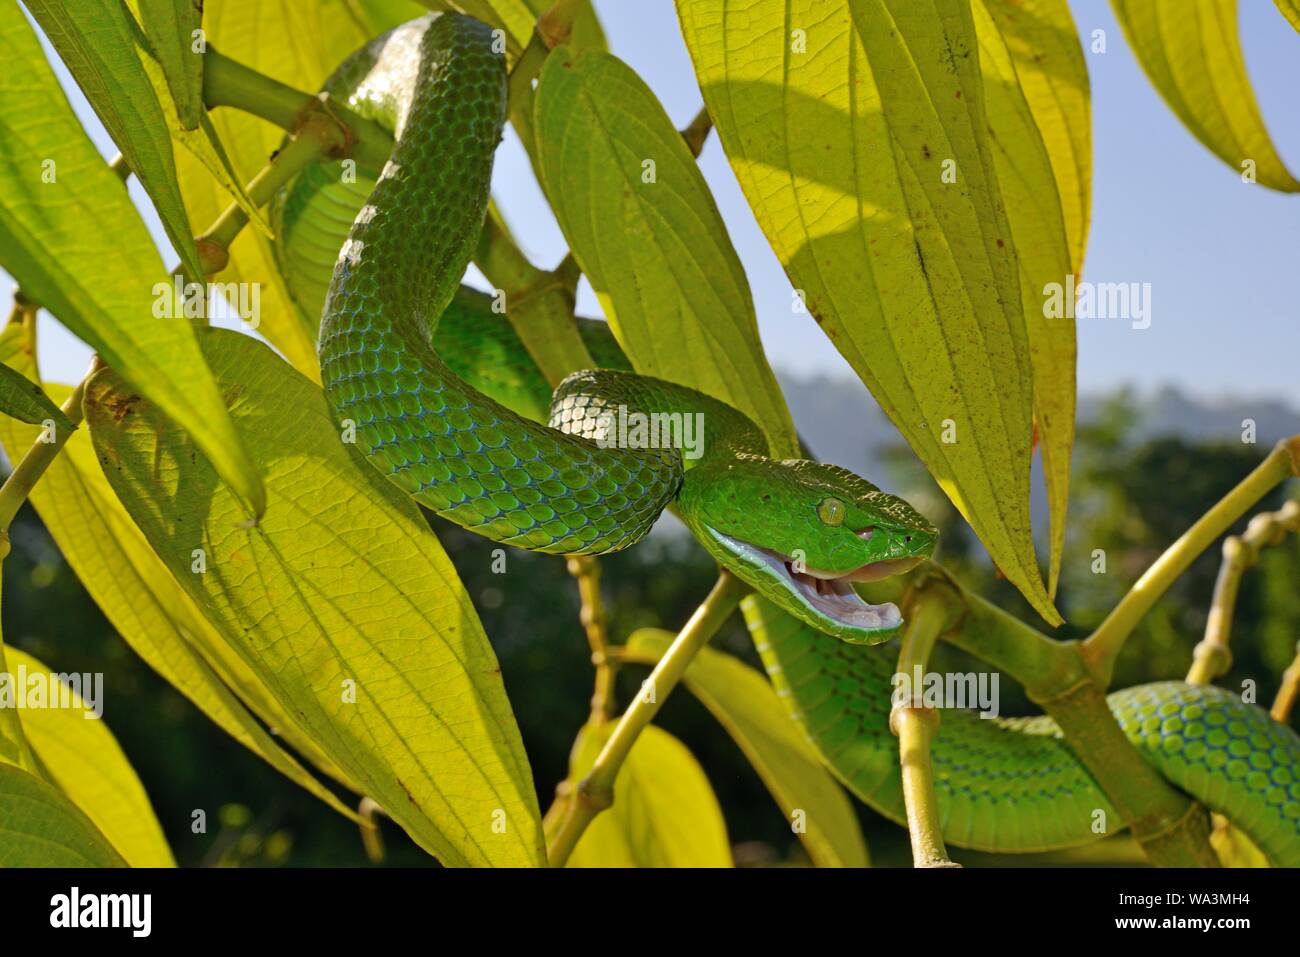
(1191, 52)
(142, 600)
(39, 827)
(96, 41)
(858, 134)
(72, 238)
(1030, 186)
(664, 812)
(23, 400)
(517, 18)
(646, 232)
(255, 32)
(1291, 10)
(744, 703)
(83, 758)
(200, 140)
(340, 599)
(14, 748)
(170, 27)
(1043, 42)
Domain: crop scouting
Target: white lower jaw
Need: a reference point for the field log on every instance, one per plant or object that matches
(835, 599)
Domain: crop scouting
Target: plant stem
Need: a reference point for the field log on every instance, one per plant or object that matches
(1288, 692)
(539, 304)
(1212, 657)
(229, 83)
(317, 137)
(595, 792)
(1169, 827)
(1102, 647)
(586, 571)
(372, 839)
(915, 725)
(1172, 829)
(28, 472)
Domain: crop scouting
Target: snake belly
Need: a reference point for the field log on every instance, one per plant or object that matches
(467, 437)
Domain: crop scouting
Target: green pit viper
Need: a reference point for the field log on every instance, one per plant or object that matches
(446, 403)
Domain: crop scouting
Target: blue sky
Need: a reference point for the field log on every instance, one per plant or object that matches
(1222, 257)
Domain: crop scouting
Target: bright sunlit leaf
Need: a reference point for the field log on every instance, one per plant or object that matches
(40, 827)
(664, 812)
(83, 758)
(340, 599)
(642, 224)
(71, 237)
(744, 703)
(1191, 52)
(858, 133)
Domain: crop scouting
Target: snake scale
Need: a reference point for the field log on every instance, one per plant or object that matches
(446, 404)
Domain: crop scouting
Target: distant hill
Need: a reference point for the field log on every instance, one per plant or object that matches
(840, 421)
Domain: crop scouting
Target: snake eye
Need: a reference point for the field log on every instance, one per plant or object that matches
(831, 511)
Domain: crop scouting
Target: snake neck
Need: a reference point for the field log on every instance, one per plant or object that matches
(412, 241)
(451, 448)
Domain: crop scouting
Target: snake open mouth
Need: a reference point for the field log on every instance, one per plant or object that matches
(829, 594)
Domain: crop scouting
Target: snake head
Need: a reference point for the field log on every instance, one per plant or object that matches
(801, 533)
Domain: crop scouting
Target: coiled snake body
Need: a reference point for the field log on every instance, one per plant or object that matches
(447, 405)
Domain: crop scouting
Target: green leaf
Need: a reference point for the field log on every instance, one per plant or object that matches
(71, 237)
(96, 40)
(1191, 53)
(517, 18)
(842, 122)
(646, 232)
(664, 812)
(200, 140)
(170, 26)
(141, 599)
(744, 703)
(39, 827)
(84, 760)
(1043, 42)
(1033, 69)
(14, 748)
(340, 599)
(23, 400)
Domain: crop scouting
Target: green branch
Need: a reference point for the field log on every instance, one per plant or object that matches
(586, 572)
(317, 137)
(1288, 692)
(1102, 647)
(28, 472)
(539, 303)
(1172, 829)
(595, 792)
(231, 84)
(915, 725)
(1212, 657)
